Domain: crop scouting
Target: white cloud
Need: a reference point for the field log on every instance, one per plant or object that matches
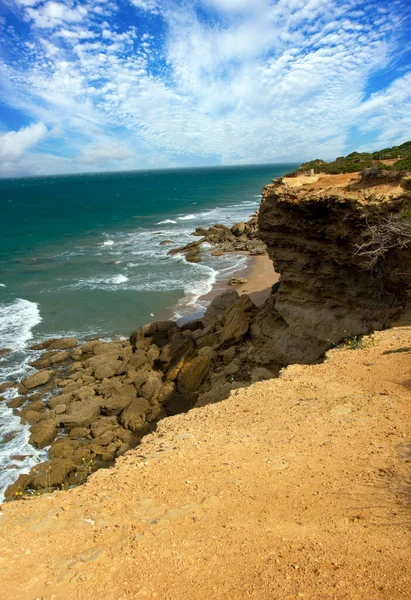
(101, 154)
(14, 144)
(52, 14)
(147, 5)
(270, 81)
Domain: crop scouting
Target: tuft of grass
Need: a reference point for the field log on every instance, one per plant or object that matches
(358, 342)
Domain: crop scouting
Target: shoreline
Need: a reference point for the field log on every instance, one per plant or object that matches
(260, 275)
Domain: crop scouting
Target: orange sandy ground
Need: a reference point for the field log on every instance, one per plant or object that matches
(292, 488)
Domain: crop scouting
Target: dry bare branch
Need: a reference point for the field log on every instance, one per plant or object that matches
(391, 233)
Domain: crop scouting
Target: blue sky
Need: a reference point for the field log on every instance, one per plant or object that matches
(95, 85)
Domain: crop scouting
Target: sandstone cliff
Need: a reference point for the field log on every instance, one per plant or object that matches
(329, 291)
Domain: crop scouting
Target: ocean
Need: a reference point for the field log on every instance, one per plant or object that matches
(81, 256)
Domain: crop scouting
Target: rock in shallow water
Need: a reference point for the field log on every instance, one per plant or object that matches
(37, 379)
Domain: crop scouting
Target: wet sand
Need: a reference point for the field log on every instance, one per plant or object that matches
(261, 276)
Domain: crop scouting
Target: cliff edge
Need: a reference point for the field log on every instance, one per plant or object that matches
(340, 245)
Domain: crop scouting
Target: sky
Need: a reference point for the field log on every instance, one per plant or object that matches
(97, 85)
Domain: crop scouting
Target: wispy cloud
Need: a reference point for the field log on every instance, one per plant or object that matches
(223, 80)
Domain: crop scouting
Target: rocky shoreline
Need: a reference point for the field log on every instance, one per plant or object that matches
(92, 402)
(89, 403)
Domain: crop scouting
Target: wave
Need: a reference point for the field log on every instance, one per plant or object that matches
(16, 454)
(108, 243)
(3, 285)
(187, 217)
(17, 321)
(167, 221)
(119, 279)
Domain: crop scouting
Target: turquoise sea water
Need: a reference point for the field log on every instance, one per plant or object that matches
(80, 255)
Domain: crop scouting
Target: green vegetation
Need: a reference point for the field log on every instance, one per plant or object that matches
(359, 161)
(357, 342)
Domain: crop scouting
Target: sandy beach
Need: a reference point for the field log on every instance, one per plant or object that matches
(260, 276)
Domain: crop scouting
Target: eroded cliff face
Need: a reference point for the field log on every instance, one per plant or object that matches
(312, 227)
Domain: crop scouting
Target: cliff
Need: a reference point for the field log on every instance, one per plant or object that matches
(321, 233)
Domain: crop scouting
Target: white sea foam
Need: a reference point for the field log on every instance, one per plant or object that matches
(108, 243)
(166, 222)
(187, 217)
(3, 285)
(14, 441)
(16, 322)
(119, 279)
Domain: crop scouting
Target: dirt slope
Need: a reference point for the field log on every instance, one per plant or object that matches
(292, 488)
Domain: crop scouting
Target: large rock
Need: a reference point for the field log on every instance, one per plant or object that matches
(215, 312)
(132, 417)
(63, 448)
(117, 396)
(159, 331)
(51, 474)
(61, 399)
(238, 229)
(192, 374)
(30, 416)
(37, 379)
(236, 321)
(152, 387)
(56, 344)
(81, 414)
(43, 433)
(106, 365)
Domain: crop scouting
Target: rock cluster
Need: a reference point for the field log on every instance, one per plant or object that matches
(95, 401)
(241, 237)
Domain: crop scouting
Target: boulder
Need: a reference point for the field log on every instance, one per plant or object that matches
(56, 344)
(117, 396)
(238, 229)
(102, 425)
(237, 281)
(43, 433)
(51, 474)
(84, 393)
(215, 312)
(61, 399)
(138, 359)
(176, 348)
(217, 252)
(81, 414)
(106, 365)
(132, 416)
(16, 402)
(192, 374)
(37, 379)
(63, 448)
(165, 242)
(29, 416)
(236, 321)
(152, 387)
(200, 231)
(6, 386)
(79, 432)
